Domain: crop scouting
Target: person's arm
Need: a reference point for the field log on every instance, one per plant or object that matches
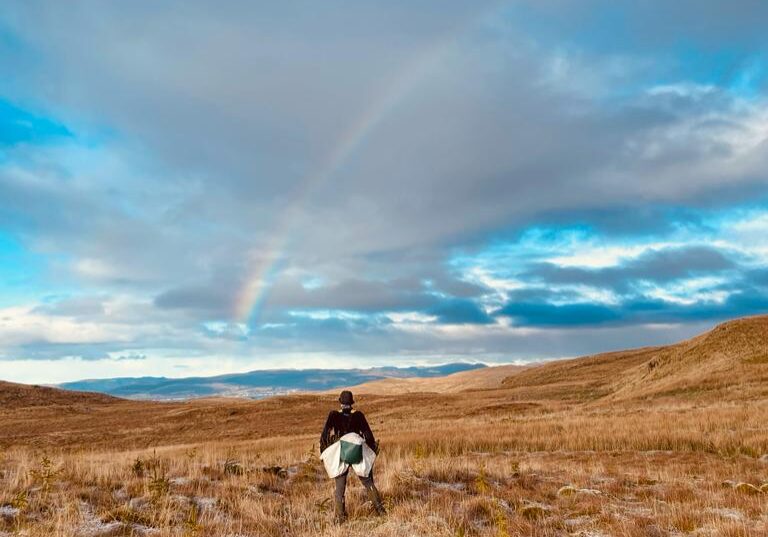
(366, 433)
(325, 437)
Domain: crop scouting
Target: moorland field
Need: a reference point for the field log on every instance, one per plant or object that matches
(659, 441)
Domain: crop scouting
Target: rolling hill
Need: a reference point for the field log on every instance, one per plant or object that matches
(255, 384)
(15, 396)
(486, 378)
(727, 364)
(729, 361)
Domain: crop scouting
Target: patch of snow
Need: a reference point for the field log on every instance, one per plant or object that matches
(205, 504)
(137, 503)
(733, 514)
(458, 487)
(138, 529)
(578, 521)
(569, 490)
(96, 528)
(6, 511)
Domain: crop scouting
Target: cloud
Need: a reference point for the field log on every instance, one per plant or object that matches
(459, 311)
(443, 173)
(75, 307)
(637, 310)
(654, 265)
(197, 297)
(21, 326)
(543, 314)
(353, 294)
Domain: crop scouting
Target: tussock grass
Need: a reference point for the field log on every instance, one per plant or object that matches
(581, 471)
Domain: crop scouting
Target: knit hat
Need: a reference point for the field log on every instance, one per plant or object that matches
(345, 398)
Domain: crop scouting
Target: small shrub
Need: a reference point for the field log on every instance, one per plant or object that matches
(138, 467)
(481, 481)
(532, 511)
(191, 526)
(278, 471)
(308, 469)
(232, 466)
(500, 519)
(45, 474)
(323, 506)
(158, 485)
(747, 488)
(20, 501)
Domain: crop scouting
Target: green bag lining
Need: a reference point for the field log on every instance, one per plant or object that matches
(351, 453)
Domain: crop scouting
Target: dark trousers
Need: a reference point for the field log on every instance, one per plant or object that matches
(341, 484)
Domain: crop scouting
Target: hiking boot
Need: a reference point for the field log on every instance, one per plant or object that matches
(375, 497)
(340, 515)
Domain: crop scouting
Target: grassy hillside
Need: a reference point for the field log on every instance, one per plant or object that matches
(480, 379)
(17, 396)
(598, 446)
(730, 361)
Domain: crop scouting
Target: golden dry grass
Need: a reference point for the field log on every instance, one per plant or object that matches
(589, 447)
(672, 471)
(477, 379)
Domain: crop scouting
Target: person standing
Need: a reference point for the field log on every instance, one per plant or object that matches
(339, 423)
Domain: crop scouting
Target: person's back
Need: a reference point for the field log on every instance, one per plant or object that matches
(338, 424)
(343, 422)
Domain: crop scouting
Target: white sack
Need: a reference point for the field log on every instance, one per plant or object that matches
(331, 457)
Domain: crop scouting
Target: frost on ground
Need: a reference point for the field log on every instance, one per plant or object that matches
(584, 493)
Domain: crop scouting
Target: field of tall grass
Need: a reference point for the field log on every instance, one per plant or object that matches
(625, 471)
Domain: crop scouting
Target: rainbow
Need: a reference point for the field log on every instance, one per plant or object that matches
(268, 261)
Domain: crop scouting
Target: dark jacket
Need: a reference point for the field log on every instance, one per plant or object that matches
(340, 423)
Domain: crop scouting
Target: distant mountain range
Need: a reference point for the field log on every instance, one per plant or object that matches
(255, 384)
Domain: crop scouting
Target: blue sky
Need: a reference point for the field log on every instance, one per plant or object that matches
(192, 189)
